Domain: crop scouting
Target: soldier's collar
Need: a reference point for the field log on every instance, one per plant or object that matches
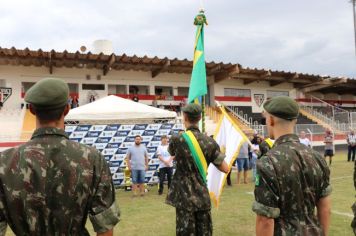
(49, 131)
(193, 128)
(286, 138)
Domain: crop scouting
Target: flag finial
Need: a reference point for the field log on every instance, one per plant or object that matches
(200, 19)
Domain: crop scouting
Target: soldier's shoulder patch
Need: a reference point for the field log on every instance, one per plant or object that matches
(257, 180)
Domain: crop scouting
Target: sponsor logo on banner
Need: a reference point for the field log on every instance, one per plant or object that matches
(122, 133)
(70, 128)
(153, 127)
(121, 151)
(178, 126)
(118, 176)
(83, 128)
(146, 138)
(110, 151)
(118, 182)
(78, 134)
(113, 169)
(118, 157)
(115, 163)
(163, 132)
(76, 139)
(99, 146)
(259, 99)
(152, 167)
(139, 127)
(151, 149)
(156, 138)
(113, 145)
(149, 173)
(151, 155)
(98, 128)
(112, 127)
(166, 126)
(117, 140)
(126, 127)
(107, 158)
(154, 161)
(123, 164)
(107, 134)
(92, 134)
(88, 140)
(130, 139)
(149, 133)
(102, 140)
(126, 145)
(136, 132)
(154, 144)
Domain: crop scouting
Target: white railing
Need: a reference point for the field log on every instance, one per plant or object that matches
(239, 114)
(334, 116)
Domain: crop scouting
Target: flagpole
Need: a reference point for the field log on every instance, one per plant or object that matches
(203, 114)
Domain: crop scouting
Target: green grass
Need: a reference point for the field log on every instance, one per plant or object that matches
(149, 215)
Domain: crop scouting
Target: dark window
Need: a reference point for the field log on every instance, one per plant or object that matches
(93, 86)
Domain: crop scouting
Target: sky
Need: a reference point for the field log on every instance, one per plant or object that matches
(305, 36)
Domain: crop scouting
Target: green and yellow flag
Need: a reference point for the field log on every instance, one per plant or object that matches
(198, 84)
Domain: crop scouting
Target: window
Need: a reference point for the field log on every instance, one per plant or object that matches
(164, 90)
(117, 89)
(231, 92)
(93, 86)
(139, 89)
(271, 93)
(183, 91)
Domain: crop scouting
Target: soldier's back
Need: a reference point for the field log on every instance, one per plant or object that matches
(48, 184)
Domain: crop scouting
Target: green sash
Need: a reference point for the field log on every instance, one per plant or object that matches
(197, 153)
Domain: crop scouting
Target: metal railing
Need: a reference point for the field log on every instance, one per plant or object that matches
(334, 116)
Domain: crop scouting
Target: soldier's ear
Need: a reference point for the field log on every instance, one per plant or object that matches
(271, 121)
(32, 110)
(66, 109)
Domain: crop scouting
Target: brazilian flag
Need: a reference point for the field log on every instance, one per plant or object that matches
(198, 84)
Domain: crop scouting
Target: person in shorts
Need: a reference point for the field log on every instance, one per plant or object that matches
(329, 145)
(242, 162)
(137, 162)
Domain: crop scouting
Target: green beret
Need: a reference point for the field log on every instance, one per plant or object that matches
(48, 93)
(192, 109)
(282, 107)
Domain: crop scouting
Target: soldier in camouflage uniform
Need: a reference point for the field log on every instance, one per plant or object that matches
(292, 179)
(189, 193)
(50, 184)
(264, 147)
(353, 223)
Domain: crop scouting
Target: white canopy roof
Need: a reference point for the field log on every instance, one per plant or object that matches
(116, 108)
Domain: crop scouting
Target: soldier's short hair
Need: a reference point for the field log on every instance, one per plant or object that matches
(138, 136)
(48, 114)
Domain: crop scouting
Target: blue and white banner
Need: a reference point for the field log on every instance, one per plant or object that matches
(113, 141)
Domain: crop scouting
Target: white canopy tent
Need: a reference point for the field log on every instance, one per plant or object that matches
(116, 109)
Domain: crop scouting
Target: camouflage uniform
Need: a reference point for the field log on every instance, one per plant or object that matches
(264, 148)
(353, 223)
(290, 180)
(188, 193)
(50, 184)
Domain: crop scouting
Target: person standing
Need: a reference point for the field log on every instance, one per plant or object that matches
(49, 185)
(242, 162)
(165, 163)
(351, 144)
(137, 162)
(255, 153)
(329, 145)
(304, 140)
(292, 180)
(193, 152)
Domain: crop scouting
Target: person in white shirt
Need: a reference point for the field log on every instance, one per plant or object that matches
(304, 140)
(165, 163)
(351, 143)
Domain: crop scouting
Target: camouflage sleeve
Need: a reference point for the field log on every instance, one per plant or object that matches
(172, 145)
(217, 156)
(263, 149)
(355, 175)
(104, 213)
(266, 190)
(3, 223)
(325, 187)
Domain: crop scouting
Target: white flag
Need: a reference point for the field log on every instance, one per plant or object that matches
(230, 138)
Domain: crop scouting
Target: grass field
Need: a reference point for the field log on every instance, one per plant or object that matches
(150, 216)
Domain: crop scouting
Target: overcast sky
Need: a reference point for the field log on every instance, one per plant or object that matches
(309, 36)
